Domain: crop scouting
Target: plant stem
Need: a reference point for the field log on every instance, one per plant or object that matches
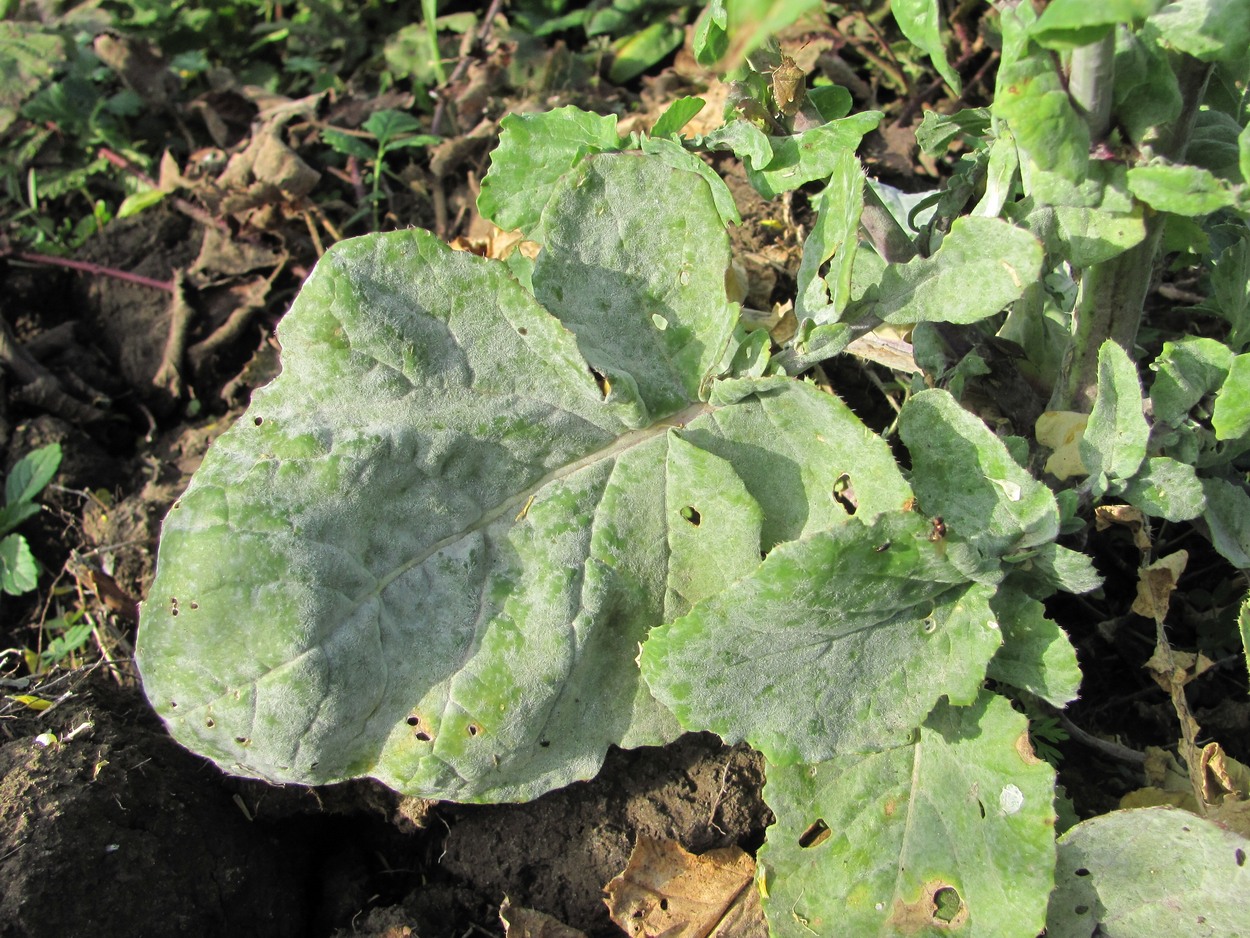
(1091, 80)
(1113, 293)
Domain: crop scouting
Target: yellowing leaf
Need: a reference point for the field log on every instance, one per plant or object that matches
(666, 891)
(1132, 518)
(1061, 431)
(519, 922)
(31, 701)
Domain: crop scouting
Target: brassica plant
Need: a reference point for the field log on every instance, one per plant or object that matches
(493, 518)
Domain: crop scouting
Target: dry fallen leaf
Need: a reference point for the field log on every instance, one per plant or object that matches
(519, 922)
(666, 891)
(1132, 518)
(1156, 583)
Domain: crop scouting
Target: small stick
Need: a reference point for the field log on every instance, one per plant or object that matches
(99, 270)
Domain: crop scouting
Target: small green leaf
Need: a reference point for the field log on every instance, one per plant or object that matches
(1228, 518)
(839, 642)
(1082, 235)
(1166, 488)
(1198, 881)
(1050, 134)
(1147, 95)
(348, 145)
(832, 101)
(1036, 655)
(919, 20)
(872, 845)
(1115, 438)
(386, 125)
(1187, 370)
(31, 473)
(19, 573)
(938, 131)
(1052, 567)
(1183, 190)
(1210, 30)
(1066, 24)
(835, 235)
(744, 140)
(998, 257)
(534, 151)
(137, 202)
(676, 116)
(1231, 416)
(813, 154)
(637, 53)
(963, 472)
(711, 41)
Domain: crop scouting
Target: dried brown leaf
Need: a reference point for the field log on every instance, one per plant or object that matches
(665, 890)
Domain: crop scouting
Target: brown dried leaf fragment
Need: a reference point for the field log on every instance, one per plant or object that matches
(666, 891)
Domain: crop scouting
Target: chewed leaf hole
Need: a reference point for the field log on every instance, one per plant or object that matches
(1240, 856)
(1081, 872)
(210, 723)
(844, 493)
(929, 625)
(413, 720)
(946, 904)
(474, 729)
(521, 330)
(691, 514)
(258, 420)
(817, 834)
(242, 740)
(422, 736)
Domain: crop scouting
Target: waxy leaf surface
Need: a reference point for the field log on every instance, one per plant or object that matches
(839, 642)
(429, 550)
(958, 824)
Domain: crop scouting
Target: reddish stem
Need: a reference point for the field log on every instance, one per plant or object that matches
(88, 267)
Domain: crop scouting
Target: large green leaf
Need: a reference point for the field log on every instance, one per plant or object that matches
(952, 834)
(1211, 30)
(839, 642)
(1231, 416)
(429, 550)
(1150, 871)
(1066, 24)
(1187, 370)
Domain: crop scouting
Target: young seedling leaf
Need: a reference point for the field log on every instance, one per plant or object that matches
(744, 140)
(1198, 882)
(1114, 443)
(1230, 289)
(963, 473)
(534, 151)
(31, 474)
(998, 257)
(952, 833)
(839, 642)
(1036, 655)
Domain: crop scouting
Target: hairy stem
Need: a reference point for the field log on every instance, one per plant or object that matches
(1091, 81)
(1113, 293)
